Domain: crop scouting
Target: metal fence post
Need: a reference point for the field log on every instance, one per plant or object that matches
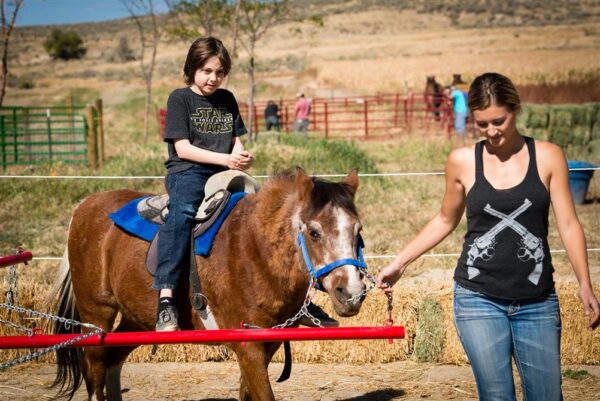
(100, 130)
(91, 137)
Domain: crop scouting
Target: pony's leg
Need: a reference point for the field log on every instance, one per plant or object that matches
(94, 366)
(115, 359)
(94, 372)
(253, 360)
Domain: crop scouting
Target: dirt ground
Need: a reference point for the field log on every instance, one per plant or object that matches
(218, 381)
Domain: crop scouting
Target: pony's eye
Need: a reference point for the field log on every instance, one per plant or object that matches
(314, 234)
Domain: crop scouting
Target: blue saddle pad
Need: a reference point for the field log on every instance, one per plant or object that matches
(128, 219)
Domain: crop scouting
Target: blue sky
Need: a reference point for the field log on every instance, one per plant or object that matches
(52, 12)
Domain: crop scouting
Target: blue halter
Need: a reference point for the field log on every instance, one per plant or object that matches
(315, 274)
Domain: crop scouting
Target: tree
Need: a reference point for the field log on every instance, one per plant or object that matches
(7, 28)
(149, 34)
(64, 45)
(203, 16)
(256, 18)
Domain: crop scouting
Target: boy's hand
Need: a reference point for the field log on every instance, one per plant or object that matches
(240, 160)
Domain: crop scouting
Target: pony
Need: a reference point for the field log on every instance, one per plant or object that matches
(433, 96)
(256, 272)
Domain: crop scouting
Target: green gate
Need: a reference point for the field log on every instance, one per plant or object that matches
(36, 135)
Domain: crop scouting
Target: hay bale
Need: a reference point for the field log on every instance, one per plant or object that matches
(580, 136)
(561, 117)
(538, 116)
(579, 345)
(431, 333)
(595, 132)
(540, 133)
(594, 148)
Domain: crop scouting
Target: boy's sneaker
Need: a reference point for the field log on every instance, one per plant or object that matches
(167, 316)
(317, 312)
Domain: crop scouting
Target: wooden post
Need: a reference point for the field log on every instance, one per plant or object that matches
(366, 118)
(92, 149)
(100, 131)
(255, 114)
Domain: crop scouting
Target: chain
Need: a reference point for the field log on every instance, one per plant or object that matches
(67, 323)
(303, 310)
(37, 354)
(368, 288)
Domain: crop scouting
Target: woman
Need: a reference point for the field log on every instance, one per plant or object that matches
(505, 304)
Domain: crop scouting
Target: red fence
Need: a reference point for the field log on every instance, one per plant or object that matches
(358, 117)
(362, 117)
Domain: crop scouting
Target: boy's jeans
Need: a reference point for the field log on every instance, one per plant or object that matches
(186, 191)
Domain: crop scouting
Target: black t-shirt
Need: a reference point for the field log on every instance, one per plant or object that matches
(505, 253)
(272, 110)
(208, 122)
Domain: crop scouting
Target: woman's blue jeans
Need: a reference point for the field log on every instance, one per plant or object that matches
(494, 331)
(186, 191)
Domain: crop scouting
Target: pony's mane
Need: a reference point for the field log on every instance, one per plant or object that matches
(282, 185)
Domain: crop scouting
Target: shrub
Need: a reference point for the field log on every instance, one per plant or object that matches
(123, 52)
(64, 45)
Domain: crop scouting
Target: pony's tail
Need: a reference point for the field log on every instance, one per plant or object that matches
(68, 369)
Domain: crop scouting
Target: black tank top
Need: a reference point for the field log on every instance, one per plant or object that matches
(505, 253)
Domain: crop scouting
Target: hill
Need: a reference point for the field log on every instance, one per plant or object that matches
(364, 47)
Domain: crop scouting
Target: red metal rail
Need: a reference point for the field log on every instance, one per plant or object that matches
(206, 336)
(21, 257)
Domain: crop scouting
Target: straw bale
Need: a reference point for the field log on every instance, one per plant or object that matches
(579, 344)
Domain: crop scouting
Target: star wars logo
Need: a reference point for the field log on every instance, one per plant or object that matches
(212, 121)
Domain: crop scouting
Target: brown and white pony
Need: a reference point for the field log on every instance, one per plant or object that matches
(255, 273)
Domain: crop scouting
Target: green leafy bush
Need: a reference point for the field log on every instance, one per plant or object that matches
(64, 45)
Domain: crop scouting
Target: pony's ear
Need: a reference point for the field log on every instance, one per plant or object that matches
(351, 180)
(304, 184)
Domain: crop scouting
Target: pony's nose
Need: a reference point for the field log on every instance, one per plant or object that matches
(345, 297)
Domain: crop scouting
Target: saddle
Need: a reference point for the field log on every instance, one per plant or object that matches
(218, 191)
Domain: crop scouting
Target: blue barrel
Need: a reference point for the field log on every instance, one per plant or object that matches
(579, 180)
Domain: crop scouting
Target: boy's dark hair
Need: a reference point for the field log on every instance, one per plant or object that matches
(200, 51)
(492, 88)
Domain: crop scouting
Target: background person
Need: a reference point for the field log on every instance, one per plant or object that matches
(460, 110)
(505, 304)
(272, 116)
(203, 129)
(301, 114)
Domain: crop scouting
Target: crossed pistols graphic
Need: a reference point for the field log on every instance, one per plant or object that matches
(530, 246)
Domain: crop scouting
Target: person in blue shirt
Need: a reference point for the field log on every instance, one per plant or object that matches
(459, 107)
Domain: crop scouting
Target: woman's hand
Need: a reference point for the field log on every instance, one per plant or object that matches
(389, 276)
(590, 305)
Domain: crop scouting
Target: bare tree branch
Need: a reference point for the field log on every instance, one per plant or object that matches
(141, 10)
(7, 29)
